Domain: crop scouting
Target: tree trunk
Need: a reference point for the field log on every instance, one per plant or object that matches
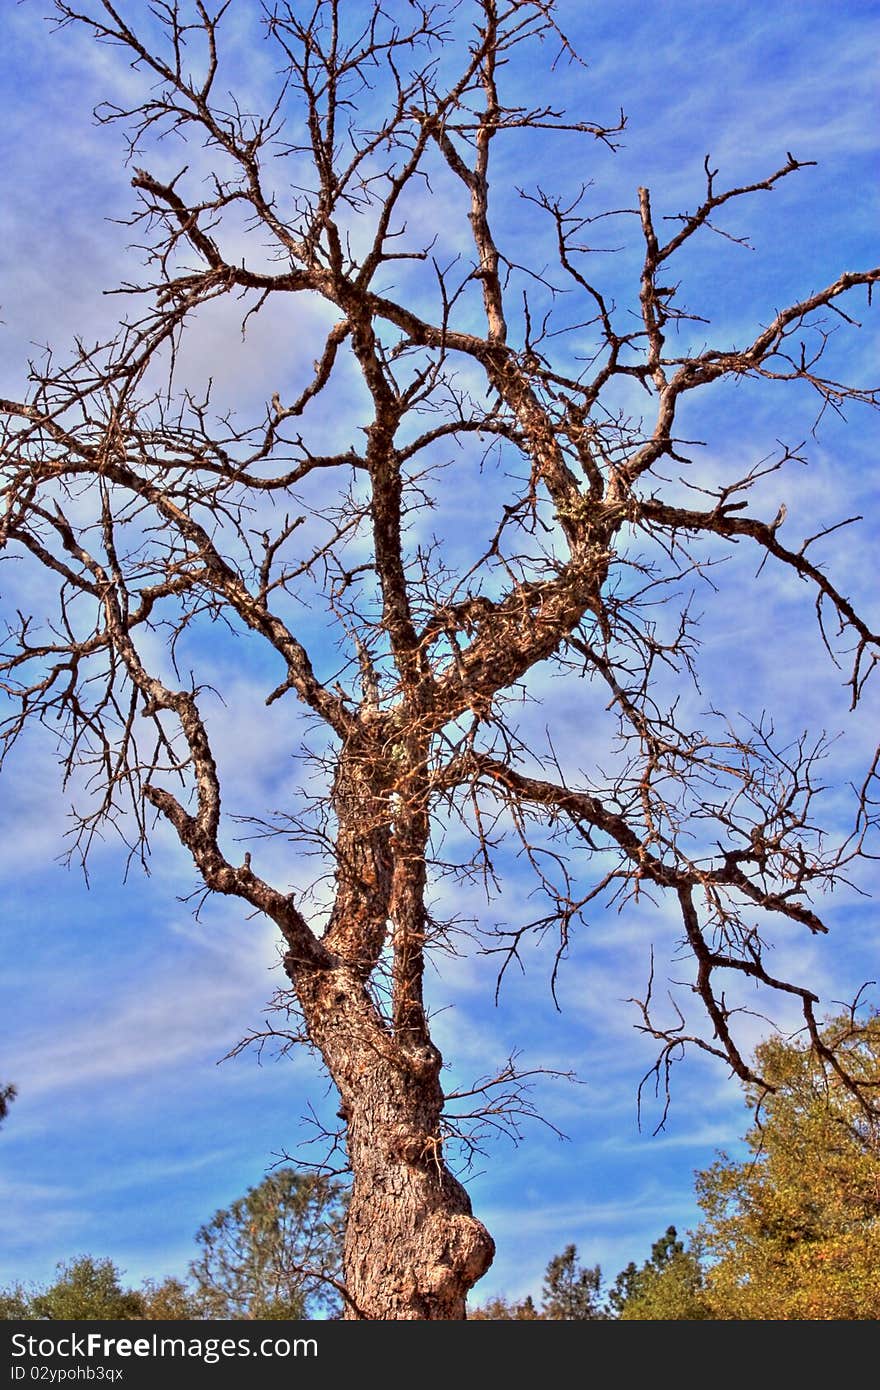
(413, 1248)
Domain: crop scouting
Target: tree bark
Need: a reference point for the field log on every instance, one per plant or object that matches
(413, 1248)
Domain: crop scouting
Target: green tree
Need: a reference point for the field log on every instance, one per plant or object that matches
(7, 1096)
(501, 1310)
(275, 1252)
(15, 1302)
(172, 1300)
(667, 1287)
(793, 1230)
(571, 1290)
(571, 1293)
(87, 1288)
(90, 1288)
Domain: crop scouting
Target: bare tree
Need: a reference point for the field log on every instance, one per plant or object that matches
(161, 516)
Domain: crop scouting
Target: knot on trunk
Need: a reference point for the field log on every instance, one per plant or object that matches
(458, 1251)
(418, 1149)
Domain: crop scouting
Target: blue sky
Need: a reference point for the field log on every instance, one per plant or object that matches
(118, 1006)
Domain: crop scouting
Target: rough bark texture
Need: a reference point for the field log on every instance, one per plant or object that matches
(413, 1248)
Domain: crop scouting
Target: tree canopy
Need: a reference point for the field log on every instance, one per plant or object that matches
(571, 1290)
(571, 1293)
(274, 1253)
(790, 1232)
(667, 1287)
(793, 1230)
(86, 1288)
(7, 1096)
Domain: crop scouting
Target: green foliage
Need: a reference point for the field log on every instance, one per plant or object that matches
(571, 1291)
(271, 1253)
(86, 1288)
(7, 1096)
(500, 1310)
(170, 1301)
(15, 1302)
(631, 1281)
(793, 1231)
(668, 1287)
